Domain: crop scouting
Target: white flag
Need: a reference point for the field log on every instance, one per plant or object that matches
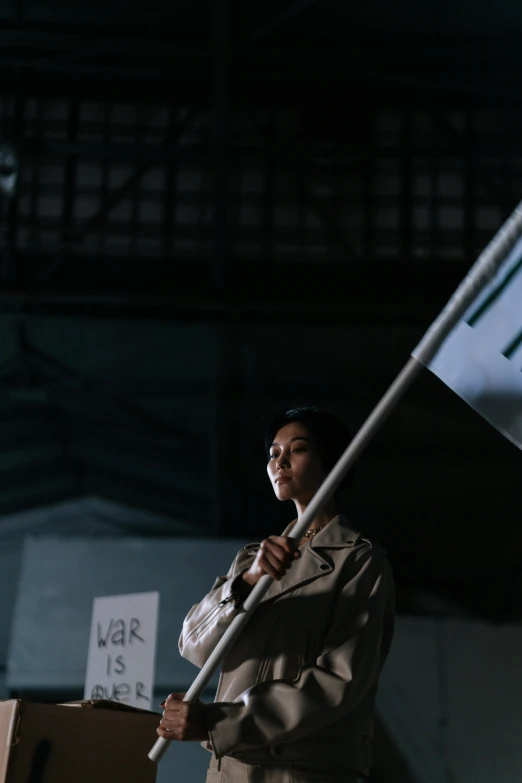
(481, 359)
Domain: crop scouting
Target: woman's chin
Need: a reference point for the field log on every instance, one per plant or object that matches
(283, 492)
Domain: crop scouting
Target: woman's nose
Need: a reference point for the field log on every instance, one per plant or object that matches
(282, 460)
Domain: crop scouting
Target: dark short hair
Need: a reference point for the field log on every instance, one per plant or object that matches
(330, 435)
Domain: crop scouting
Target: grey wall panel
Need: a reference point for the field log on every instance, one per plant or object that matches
(87, 516)
(408, 698)
(450, 696)
(10, 558)
(60, 578)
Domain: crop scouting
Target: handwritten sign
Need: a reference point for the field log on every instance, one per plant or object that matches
(122, 646)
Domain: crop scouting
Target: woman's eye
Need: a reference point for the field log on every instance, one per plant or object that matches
(296, 451)
(273, 456)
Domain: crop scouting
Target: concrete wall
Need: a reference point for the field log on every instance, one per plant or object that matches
(89, 516)
(59, 580)
(450, 696)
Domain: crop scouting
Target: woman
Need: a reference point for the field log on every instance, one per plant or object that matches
(296, 696)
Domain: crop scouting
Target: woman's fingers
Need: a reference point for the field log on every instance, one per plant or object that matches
(271, 561)
(267, 563)
(285, 542)
(275, 560)
(276, 553)
(266, 567)
(275, 556)
(284, 553)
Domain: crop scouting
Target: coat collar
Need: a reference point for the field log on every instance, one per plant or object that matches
(335, 535)
(314, 561)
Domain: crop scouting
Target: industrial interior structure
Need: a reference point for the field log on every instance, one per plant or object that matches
(210, 211)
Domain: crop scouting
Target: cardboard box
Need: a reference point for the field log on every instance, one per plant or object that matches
(80, 742)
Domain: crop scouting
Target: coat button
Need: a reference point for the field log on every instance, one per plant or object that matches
(324, 567)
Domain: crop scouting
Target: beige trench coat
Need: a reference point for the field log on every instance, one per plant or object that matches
(299, 684)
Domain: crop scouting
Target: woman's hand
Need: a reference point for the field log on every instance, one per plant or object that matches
(183, 721)
(274, 557)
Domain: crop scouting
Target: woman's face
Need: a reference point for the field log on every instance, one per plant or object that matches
(294, 467)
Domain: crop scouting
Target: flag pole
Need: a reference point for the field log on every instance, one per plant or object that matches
(480, 274)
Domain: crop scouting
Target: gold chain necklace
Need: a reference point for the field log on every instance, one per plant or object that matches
(313, 531)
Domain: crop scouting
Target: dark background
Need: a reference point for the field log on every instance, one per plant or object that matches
(227, 208)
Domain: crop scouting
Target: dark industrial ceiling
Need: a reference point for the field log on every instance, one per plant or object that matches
(316, 50)
(203, 183)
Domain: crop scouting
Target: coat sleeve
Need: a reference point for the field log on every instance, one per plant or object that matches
(351, 658)
(207, 621)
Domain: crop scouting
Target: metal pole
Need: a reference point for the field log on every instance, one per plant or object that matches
(482, 272)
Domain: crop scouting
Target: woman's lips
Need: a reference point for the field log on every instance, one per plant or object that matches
(283, 479)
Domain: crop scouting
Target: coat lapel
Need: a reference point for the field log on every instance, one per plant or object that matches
(314, 561)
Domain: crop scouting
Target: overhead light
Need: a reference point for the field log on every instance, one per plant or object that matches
(8, 169)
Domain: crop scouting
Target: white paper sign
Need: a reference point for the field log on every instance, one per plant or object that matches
(122, 647)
